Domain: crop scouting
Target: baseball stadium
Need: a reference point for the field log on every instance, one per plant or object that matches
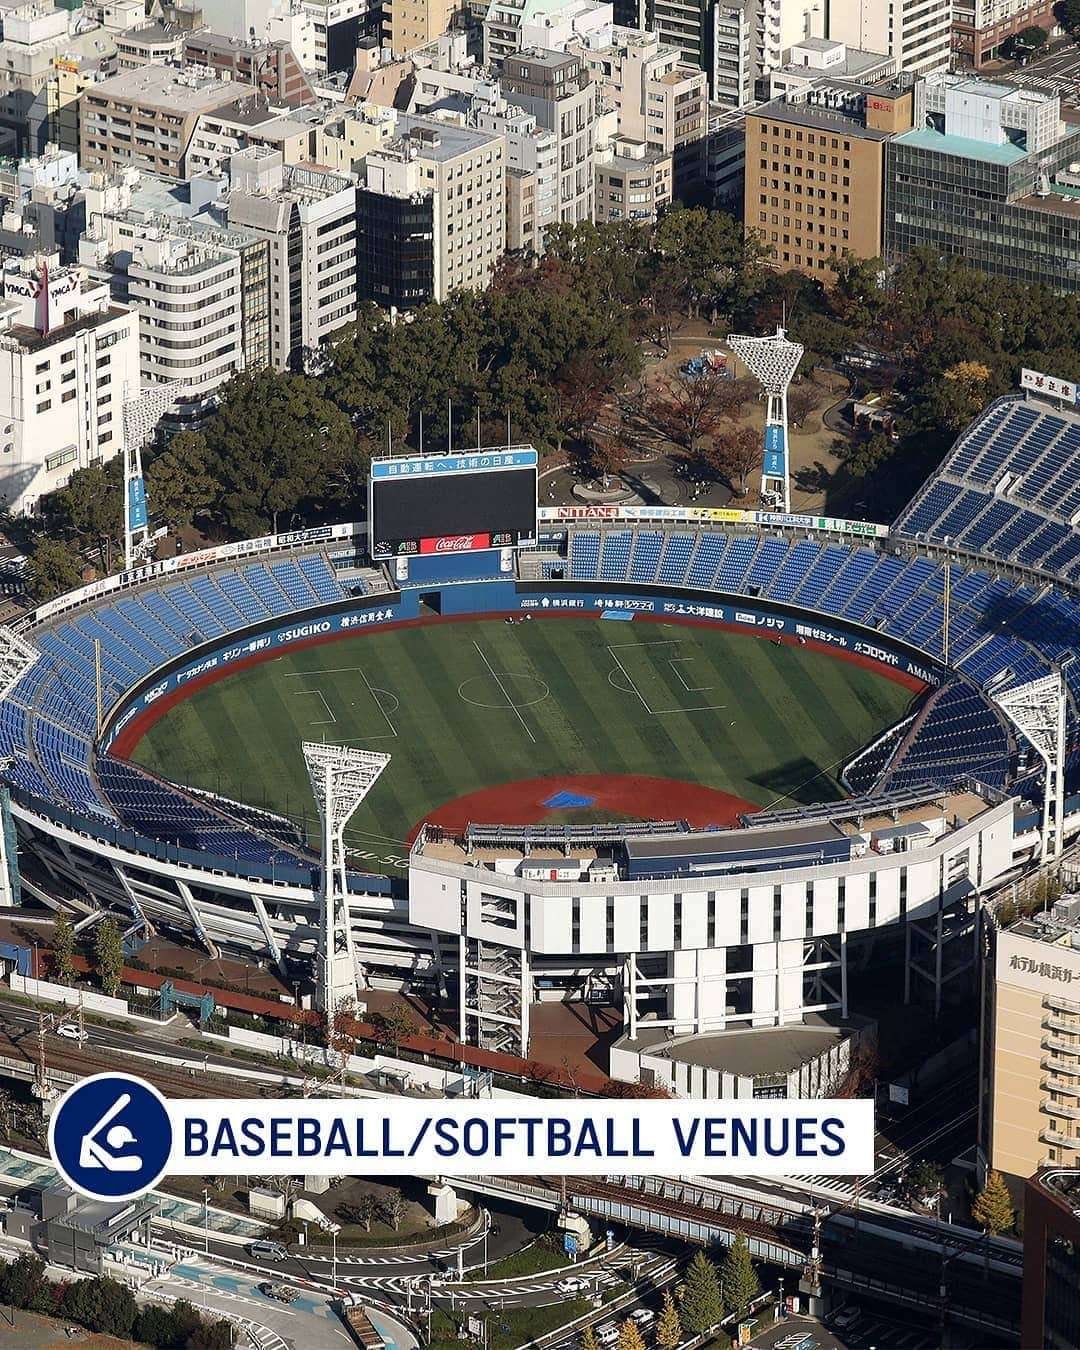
(697, 763)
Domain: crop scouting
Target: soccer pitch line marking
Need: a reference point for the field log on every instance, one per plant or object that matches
(378, 701)
(633, 689)
(318, 721)
(509, 701)
(375, 697)
(674, 662)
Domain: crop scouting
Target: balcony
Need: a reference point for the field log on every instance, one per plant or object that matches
(1060, 1065)
(1069, 1024)
(1053, 1084)
(1056, 1109)
(1059, 1004)
(1049, 1135)
(1060, 1047)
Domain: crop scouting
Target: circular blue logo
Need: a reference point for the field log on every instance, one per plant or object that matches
(110, 1136)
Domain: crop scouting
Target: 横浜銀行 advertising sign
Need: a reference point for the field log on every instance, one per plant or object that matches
(113, 1137)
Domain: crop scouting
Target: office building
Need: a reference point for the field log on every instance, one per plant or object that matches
(916, 33)
(308, 217)
(659, 100)
(1051, 1307)
(415, 23)
(1029, 1088)
(252, 121)
(69, 359)
(632, 182)
(35, 37)
(445, 181)
(987, 174)
(270, 68)
(815, 59)
(556, 89)
(146, 118)
(343, 140)
(201, 290)
(149, 43)
(814, 172)
(980, 27)
(532, 172)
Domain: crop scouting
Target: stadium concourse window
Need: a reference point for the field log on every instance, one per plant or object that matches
(431, 601)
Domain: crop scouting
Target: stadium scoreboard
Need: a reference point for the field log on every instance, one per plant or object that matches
(453, 503)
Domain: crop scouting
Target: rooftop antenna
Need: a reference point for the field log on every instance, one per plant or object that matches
(389, 443)
(421, 432)
(478, 426)
(449, 426)
(508, 428)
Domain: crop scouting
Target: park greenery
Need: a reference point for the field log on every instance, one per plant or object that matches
(554, 354)
(107, 1307)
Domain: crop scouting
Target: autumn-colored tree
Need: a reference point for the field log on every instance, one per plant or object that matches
(630, 1337)
(802, 399)
(736, 454)
(669, 1332)
(992, 1208)
(687, 409)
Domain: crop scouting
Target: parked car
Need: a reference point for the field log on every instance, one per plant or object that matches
(845, 1319)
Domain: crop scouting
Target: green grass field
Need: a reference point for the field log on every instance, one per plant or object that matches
(465, 706)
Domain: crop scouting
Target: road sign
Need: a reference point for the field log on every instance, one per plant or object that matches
(475, 1326)
(570, 1244)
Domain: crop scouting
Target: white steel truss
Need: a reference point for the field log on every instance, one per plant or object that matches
(773, 361)
(16, 657)
(1038, 710)
(341, 777)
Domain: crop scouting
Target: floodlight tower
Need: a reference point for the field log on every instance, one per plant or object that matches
(341, 778)
(1038, 710)
(773, 360)
(141, 416)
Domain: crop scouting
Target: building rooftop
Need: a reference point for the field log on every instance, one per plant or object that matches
(814, 116)
(749, 1052)
(169, 90)
(964, 147)
(453, 140)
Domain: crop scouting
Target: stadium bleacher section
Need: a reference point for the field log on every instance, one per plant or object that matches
(1008, 492)
(1009, 489)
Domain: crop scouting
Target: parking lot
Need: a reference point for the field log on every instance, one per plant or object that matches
(867, 1331)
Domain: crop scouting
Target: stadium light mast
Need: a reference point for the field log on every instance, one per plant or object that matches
(1038, 710)
(141, 416)
(773, 361)
(341, 778)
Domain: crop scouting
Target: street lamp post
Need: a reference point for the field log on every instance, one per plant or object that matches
(206, 1219)
(487, 1225)
(333, 1274)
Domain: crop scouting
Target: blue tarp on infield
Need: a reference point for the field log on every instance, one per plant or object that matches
(564, 799)
(623, 614)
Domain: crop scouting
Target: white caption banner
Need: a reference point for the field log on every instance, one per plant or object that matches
(474, 1138)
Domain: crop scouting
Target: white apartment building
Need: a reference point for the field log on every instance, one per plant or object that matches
(518, 25)
(917, 33)
(532, 172)
(201, 291)
(308, 215)
(556, 89)
(659, 99)
(69, 359)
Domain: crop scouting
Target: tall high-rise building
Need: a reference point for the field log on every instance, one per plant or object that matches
(917, 33)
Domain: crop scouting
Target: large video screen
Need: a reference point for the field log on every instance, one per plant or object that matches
(452, 503)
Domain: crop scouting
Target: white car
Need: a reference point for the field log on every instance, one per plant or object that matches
(70, 1032)
(608, 1335)
(643, 1316)
(572, 1285)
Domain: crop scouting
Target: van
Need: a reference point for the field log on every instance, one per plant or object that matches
(271, 1251)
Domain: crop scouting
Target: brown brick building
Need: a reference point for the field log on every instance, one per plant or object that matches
(268, 67)
(815, 162)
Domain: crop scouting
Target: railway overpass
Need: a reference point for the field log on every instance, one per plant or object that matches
(874, 1251)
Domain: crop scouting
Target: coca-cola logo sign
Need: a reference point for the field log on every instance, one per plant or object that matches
(455, 543)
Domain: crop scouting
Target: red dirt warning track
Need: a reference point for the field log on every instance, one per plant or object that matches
(522, 803)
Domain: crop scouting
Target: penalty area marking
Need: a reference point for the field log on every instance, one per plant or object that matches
(377, 696)
(633, 689)
(318, 721)
(675, 662)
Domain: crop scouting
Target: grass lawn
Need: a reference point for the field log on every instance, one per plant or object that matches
(530, 1261)
(465, 706)
(522, 1325)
